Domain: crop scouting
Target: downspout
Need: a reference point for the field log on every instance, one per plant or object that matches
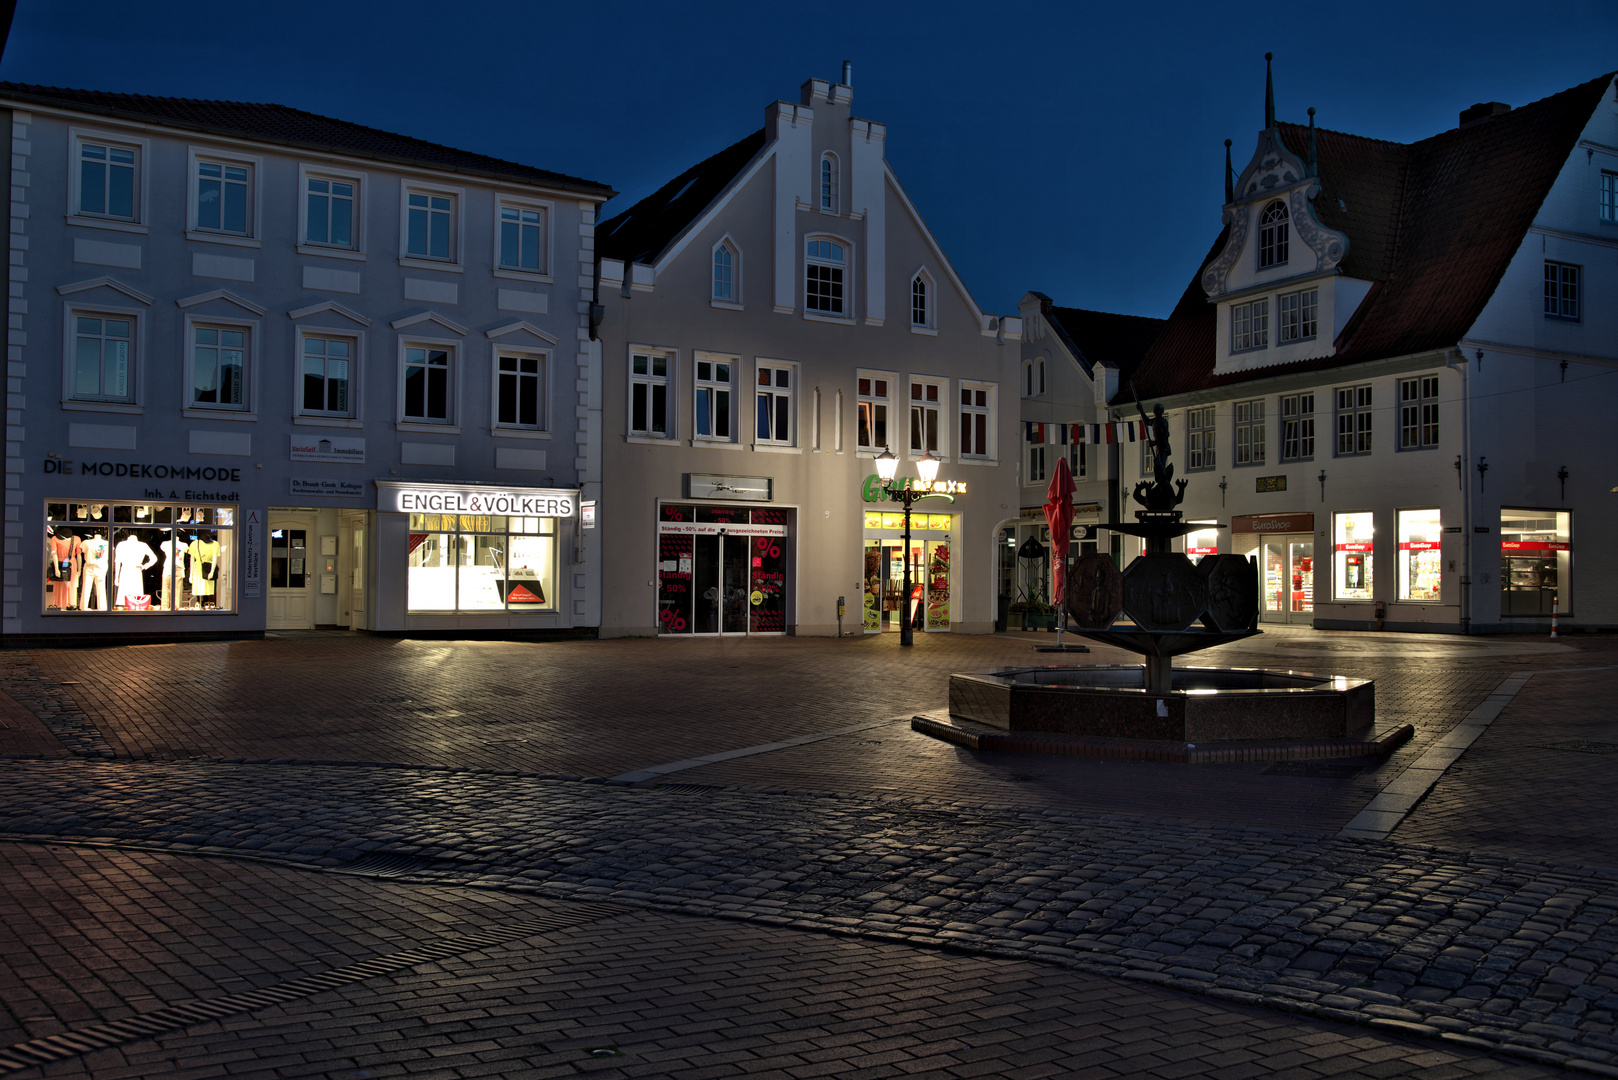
(1457, 361)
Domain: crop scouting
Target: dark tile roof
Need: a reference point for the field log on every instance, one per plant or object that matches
(1432, 224)
(282, 125)
(1101, 337)
(641, 233)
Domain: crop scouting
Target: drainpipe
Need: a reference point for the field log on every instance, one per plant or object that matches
(1456, 360)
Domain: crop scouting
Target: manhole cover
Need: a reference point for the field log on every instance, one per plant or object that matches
(1583, 747)
(1316, 770)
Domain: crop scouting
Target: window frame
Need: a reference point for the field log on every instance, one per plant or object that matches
(1257, 337)
(1078, 458)
(828, 183)
(1340, 592)
(928, 324)
(1403, 592)
(304, 245)
(791, 367)
(77, 137)
(1305, 315)
(1560, 299)
(544, 355)
(248, 410)
(939, 407)
(714, 386)
(875, 401)
(356, 368)
(72, 312)
(734, 302)
(847, 269)
(1608, 194)
(456, 262)
(451, 423)
(987, 411)
(1419, 413)
(1303, 422)
(1038, 467)
(1249, 433)
(1201, 438)
(669, 380)
(1279, 242)
(196, 157)
(1361, 427)
(547, 208)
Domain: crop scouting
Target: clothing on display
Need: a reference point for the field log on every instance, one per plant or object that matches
(150, 557)
(129, 560)
(93, 589)
(204, 559)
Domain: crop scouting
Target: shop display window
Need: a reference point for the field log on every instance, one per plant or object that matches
(1536, 557)
(117, 557)
(1421, 556)
(481, 563)
(1203, 541)
(1352, 534)
(721, 570)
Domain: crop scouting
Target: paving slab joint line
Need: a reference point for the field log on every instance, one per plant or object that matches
(142, 1026)
(638, 775)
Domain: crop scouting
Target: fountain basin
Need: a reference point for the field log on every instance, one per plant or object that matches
(1204, 704)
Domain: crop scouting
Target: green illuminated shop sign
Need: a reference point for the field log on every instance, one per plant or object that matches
(875, 490)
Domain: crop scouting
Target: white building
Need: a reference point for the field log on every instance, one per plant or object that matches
(268, 369)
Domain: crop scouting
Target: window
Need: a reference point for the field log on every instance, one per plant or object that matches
(520, 391)
(824, 276)
(921, 310)
(1609, 197)
(328, 371)
(775, 403)
(1297, 314)
(874, 400)
(329, 217)
(1418, 412)
(108, 180)
(1353, 420)
(103, 356)
(1200, 438)
(1273, 236)
(1421, 556)
(1250, 325)
(219, 356)
(724, 271)
(427, 383)
(1036, 463)
(1561, 291)
(926, 399)
(649, 396)
(481, 562)
(224, 196)
(1352, 535)
(522, 238)
(112, 558)
(715, 387)
(977, 411)
(1536, 555)
(430, 225)
(1076, 459)
(1298, 427)
(828, 182)
(1250, 432)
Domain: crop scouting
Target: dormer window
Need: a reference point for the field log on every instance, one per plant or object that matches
(1273, 235)
(828, 182)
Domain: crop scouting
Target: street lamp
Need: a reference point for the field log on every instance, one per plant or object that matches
(887, 467)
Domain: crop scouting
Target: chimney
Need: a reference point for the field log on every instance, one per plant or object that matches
(1483, 110)
(848, 73)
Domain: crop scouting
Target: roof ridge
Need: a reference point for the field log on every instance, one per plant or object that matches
(1109, 314)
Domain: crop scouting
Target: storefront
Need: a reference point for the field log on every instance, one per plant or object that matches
(1536, 562)
(932, 539)
(1421, 556)
(1284, 545)
(132, 558)
(722, 569)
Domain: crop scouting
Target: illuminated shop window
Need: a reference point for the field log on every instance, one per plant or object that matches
(1351, 534)
(1421, 561)
(481, 563)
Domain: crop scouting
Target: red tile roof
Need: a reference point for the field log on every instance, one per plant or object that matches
(1101, 337)
(1433, 224)
(286, 126)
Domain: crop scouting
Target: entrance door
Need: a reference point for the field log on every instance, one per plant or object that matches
(354, 581)
(720, 584)
(1289, 579)
(291, 604)
(886, 606)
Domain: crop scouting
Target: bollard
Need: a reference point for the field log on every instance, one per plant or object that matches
(1556, 603)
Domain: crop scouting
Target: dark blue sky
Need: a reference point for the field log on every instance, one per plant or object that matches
(1072, 148)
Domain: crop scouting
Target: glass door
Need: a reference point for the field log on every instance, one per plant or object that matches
(1274, 557)
(290, 603)
(1301, 559)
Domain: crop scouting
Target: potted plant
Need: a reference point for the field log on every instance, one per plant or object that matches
(1036, 614)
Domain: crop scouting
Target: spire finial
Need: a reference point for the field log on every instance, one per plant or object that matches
(1269, 93)
(1230, 179)
(1314, 162)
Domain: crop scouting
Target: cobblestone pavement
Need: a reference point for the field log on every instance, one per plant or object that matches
(1219, 880)
(640, 994)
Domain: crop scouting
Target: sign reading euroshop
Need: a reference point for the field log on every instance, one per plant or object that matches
(407, 498)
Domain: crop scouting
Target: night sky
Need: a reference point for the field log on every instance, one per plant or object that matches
(1072, 148)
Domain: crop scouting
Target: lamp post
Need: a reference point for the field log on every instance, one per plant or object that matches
(887, 466)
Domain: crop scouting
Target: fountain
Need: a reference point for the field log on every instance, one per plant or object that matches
(1161, 606)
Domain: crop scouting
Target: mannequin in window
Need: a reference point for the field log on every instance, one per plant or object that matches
(129, 559)
(94, 574)
(59, 571)
(173, 550)
(204, 569)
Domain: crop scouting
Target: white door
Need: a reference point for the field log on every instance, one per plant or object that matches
(352, 580)
(292, 576)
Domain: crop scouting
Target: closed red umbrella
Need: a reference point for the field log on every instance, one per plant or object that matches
(1059, 516)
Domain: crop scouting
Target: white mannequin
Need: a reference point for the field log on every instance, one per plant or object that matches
(129, 559)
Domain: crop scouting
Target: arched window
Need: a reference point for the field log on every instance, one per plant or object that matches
(921, 311)
(825, 276)
(726, 267)
(828, 182)
(1273, 235)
